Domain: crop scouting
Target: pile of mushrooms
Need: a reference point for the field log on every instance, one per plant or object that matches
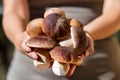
(56, 38)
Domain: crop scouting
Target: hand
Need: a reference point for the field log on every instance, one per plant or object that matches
(71, 71)
(20, 44)
(90, 48)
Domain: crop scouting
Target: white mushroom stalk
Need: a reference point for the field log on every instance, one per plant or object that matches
(67, 43)
(60, 69)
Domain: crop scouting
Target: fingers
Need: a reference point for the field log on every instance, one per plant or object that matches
(91, 44)
(90, 48)
(80, 61)
(71, 71)
(26, 48)
(32, 55)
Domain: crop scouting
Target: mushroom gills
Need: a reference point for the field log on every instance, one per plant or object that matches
(43, 62)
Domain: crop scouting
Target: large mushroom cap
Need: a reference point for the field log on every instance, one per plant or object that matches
(56, 26)
(64, 55)
(41, 42)
(80, 41)
(34, 27)
(54, 10)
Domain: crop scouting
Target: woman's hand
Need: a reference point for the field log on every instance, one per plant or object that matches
(20, 44)
(90, 48)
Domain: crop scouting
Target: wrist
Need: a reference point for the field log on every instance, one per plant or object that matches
(88, 33)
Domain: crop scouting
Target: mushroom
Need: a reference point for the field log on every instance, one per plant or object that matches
(78, 40)
(34, 27)
(43, 62)
(41, 42)
(64, 57)
(54, 10)
(41, 45)
(56, 26)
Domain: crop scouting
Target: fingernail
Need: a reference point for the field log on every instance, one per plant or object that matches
(34, 56)
(27, 49)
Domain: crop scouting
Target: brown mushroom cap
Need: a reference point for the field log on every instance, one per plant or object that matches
(41, 42)
(80, 41)
(54, 10)
(56, 26)
(34, 27)
(64, 55)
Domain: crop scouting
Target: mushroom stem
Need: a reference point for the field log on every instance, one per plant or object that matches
(60, 69)
(67, 43)
(43, 63)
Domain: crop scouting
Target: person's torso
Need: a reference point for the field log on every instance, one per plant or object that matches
(37, 7)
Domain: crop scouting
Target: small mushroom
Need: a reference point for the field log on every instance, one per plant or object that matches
(54, 10)
(65, 55)
(34, 27)
(41, 45)
(43, 62)
(56, 26)
(41, 42)
(80, 41)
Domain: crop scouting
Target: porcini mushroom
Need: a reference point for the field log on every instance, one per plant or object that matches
(41, 42)
(64, 55)
(34, 27)
(56, 26)
(78, 40)
(41, 45)
(43, 61)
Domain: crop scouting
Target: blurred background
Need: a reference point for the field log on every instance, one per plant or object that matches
(6, 49)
